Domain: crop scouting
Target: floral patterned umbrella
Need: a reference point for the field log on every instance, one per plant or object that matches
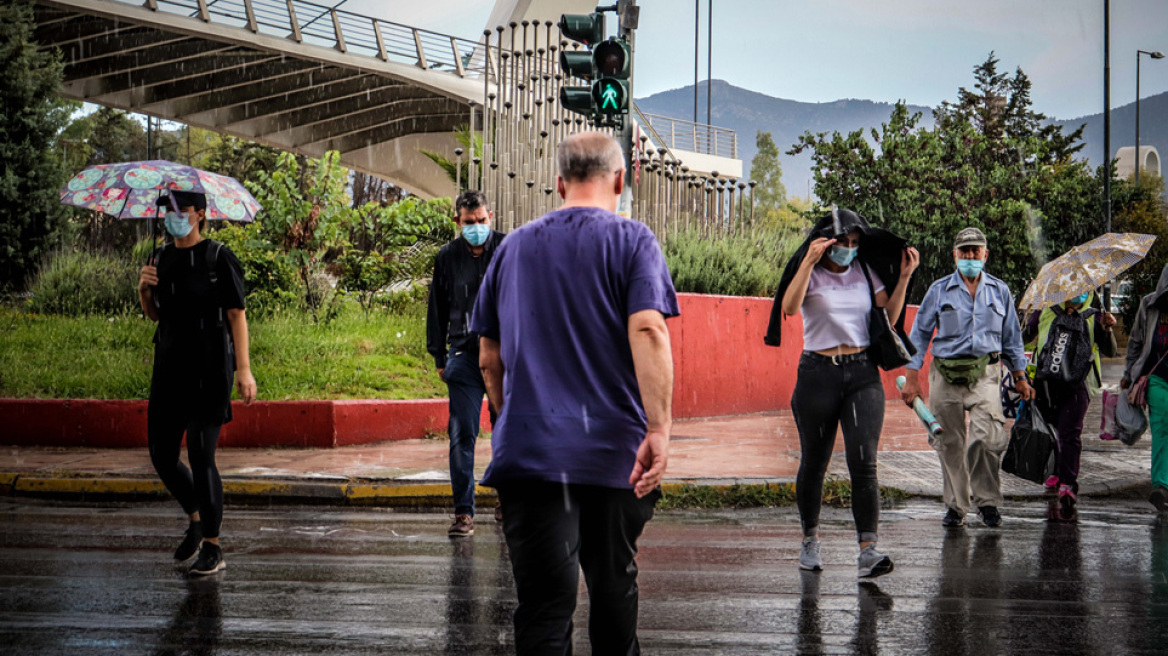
(130, 190)
(1085, 267)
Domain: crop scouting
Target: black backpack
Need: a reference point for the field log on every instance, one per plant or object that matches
(1068, 354)
(213, 248)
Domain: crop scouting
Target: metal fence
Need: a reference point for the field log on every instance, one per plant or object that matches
(679, 134)
(344, 31)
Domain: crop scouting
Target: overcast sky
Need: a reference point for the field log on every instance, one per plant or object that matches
(916, 50)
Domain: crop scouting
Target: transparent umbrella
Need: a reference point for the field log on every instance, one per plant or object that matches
(1084, 268)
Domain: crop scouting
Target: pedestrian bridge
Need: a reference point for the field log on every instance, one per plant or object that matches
(310, 78)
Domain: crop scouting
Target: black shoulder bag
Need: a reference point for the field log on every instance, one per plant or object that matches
(885, 347)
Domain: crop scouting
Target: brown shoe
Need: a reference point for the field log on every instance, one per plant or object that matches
(498, 514)
(463, 527)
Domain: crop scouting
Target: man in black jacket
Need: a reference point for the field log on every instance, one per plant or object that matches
(458, 271)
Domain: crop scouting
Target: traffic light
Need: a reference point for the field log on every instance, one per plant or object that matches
(607, 65)
(587, 29)
(611, 62)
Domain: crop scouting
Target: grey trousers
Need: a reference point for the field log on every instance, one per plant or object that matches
(971, 454)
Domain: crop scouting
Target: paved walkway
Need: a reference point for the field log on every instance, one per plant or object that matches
(743, 449)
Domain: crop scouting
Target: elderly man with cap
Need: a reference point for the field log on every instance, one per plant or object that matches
(976, 328)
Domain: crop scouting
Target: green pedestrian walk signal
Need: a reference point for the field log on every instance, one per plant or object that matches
(611, 63)
(611, 96)
(607, 65)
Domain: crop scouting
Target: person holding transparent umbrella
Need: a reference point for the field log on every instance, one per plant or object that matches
(1071, 333)
(193, 288)
(1069, 337)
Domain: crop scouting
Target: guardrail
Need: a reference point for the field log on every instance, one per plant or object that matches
(345, 31)
(679, 134)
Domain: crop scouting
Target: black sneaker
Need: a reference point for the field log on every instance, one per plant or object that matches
(1159, 498)
(210, 561)
(190, 543)
(953, 519)
(990, 516)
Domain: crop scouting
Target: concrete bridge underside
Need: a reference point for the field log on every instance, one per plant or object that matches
(298, 96)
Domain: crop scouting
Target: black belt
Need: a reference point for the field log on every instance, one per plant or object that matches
(862, 356)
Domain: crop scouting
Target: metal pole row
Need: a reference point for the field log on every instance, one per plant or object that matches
(522, 123)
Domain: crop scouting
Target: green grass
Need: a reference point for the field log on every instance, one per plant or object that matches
(43, 356)
(835, 493)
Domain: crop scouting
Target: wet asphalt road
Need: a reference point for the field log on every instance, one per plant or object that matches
(99, 580)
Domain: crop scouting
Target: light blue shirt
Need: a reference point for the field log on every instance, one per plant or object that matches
(967, 326)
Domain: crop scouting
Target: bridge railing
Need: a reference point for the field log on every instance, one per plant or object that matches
(345, 31)
(679, 134)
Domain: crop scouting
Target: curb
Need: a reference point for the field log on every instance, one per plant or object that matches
(407, 494)
(95, 488)
(286, 491)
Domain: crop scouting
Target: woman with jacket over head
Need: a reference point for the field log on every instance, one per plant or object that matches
(831, 281)
(1147, 346)
(193, 288)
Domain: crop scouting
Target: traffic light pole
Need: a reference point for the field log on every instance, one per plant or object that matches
(629, 14)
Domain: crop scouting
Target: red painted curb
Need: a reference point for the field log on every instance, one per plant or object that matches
(721, 367)
(99, 423)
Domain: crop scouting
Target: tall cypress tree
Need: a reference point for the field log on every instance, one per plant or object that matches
(770, 196)
(31, 173)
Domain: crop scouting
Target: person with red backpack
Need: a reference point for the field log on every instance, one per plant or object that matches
(1068, 339)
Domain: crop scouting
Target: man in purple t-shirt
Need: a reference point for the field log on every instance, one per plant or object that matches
(576, 359)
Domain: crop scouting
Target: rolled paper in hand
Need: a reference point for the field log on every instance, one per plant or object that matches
(926, 416)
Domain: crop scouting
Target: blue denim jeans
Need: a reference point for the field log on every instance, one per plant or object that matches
(464, 381)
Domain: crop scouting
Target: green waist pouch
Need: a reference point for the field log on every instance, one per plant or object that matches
(961, 371)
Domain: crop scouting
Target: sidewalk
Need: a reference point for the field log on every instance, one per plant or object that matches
(750, 449)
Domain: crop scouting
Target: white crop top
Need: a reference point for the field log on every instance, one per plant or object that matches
(835, 308)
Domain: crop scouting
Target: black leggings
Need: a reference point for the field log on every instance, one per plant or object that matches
(829, 395)
(198, 488)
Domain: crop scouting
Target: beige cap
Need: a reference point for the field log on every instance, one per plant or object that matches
(969, 237)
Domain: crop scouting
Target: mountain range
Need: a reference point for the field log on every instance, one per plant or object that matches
(749, 112)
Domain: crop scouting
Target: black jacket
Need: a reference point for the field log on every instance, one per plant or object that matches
(880, 250)
(457, 276)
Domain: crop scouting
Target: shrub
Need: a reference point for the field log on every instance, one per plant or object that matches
(730, 265)
(78, 283)
(269, 278)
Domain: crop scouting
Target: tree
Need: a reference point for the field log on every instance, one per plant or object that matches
(1141, 208)
(388, 242)
(305, 216)
(458, 170)
(32, 219)
(770, 195)
(989, 163)
(103, 137)
(245, 160)
(372, 189)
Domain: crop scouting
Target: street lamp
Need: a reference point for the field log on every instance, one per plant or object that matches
(1153, 55)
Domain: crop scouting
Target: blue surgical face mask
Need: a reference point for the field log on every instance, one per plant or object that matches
(476, 233)
(970, 268)
(842, 255)
(177, 224)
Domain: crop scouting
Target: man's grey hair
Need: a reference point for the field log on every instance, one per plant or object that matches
(587, 155)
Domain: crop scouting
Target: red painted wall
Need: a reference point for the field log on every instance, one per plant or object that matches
(721, 367)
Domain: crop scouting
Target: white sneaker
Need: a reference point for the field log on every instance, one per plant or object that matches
(809, 558)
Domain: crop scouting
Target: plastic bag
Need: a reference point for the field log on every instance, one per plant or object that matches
(1107, 427)
(1130, 421)
(1033, 444)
